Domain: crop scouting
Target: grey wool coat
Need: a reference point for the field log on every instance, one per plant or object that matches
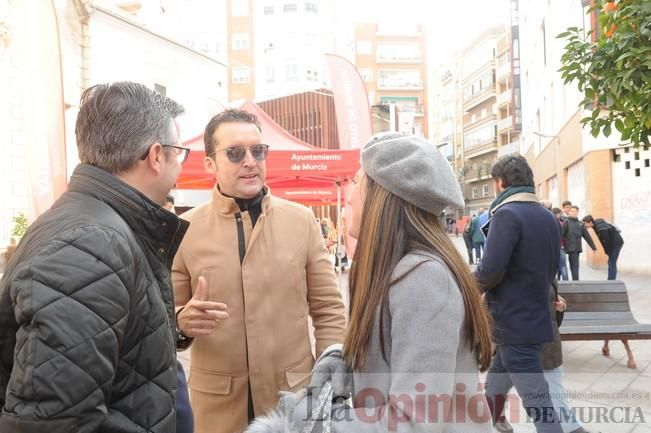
(429, 381)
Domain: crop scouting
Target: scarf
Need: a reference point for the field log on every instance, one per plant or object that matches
(508, 192)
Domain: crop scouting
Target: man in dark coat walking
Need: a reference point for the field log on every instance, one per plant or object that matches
(516, 272)
(87, 335)
(572, 231)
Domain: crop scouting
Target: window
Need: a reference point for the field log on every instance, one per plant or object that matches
(240, 75)
(291, 71)
(160, 89)
(367, 74)
(404, 103)
(311, 7)
(269, 10)
(481, 85)
(402, 79)
(240, 41)
(271, 74)
(290, 7)
(398, 52)
(480, 136)
(475, 193)
(239, 8)
(364, 47)
(485, 191)
(310, 40)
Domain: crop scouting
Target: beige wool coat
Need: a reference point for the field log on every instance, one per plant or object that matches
(285, 277)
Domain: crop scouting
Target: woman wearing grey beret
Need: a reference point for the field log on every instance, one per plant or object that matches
(418, 333)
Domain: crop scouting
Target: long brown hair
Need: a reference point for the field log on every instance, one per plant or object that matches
(391, 228)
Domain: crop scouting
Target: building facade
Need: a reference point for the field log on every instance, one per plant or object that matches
(480, 121)
(275, 48)
(89, 34)
(603, 176)
(308, 116)
(392, 62)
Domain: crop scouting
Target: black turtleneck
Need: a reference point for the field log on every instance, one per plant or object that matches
(251, 205)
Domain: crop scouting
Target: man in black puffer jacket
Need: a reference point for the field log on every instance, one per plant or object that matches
(87, 326)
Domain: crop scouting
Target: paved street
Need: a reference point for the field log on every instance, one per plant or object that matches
(592, 380)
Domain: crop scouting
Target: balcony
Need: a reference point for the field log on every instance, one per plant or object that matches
(504, 98)
(478, 98)
(479, 149)
(503, 71)
(505, 124)
(399, 59)
(400, 85)
(468, 125)
(507, 149)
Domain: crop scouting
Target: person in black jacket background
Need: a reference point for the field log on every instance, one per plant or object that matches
(610, 239)
(612, 242)
(87, 335)
(572, 231)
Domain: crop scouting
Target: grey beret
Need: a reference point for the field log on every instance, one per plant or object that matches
(413, 169)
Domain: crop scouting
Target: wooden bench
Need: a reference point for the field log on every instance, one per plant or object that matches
(599, 310)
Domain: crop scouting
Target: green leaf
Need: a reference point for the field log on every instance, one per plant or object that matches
(595, 131)
(626, 135)
(619, 125)
(607, 129)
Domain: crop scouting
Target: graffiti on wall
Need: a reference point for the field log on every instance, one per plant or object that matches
(636, 208)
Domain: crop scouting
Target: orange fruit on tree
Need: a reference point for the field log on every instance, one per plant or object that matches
(610, 7)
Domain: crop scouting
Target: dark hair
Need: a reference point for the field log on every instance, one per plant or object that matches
(566, 203)
(169, 199)
(588, 219)
(230, 115)
(513, 170)
(118, 122)
(556, 211)
(574, 207)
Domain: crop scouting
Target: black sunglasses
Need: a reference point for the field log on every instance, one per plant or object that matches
(236, 154)
(182, 153)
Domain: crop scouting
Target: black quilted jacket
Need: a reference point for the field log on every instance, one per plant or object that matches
(87, 335)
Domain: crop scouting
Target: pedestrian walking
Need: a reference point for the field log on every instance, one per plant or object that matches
(467, 239)
(552, 363)
(562, 263)
(478, 238)
(516, 272)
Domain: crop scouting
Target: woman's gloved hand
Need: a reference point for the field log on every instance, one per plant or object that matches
(331, 367)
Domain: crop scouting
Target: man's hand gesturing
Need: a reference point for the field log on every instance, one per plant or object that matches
(200, 317)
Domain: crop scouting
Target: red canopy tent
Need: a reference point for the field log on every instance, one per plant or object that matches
(296, 170)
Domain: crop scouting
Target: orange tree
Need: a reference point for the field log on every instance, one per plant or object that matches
(611, 66)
